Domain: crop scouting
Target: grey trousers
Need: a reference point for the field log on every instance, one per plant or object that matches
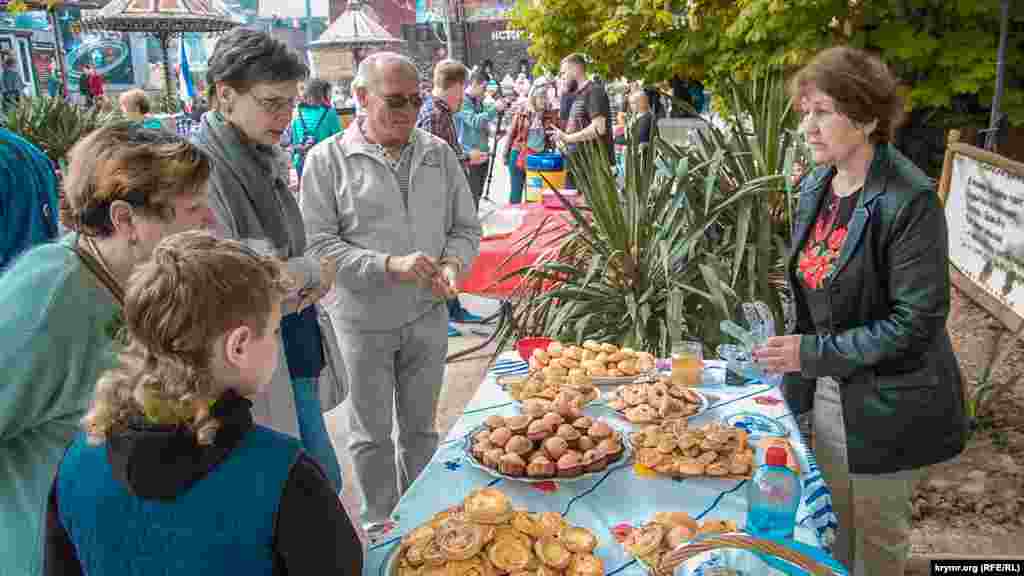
(397, 373)
(874, 510)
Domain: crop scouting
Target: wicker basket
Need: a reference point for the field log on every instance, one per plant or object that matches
(736, 540)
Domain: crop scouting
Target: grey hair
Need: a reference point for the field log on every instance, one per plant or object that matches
(369, 71)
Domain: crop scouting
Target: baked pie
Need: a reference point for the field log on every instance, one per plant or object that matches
(666, 531)
(456, 543)
(675, 449)
(488, 506)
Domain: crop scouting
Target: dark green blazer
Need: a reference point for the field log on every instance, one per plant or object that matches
(887, 344)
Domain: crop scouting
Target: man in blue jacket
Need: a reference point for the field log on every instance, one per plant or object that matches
(28, 197)
(472, 124)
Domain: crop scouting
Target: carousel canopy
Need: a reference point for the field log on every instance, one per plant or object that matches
(168, 16)
(355, 29)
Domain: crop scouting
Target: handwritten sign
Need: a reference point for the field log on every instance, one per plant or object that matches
(985, 212)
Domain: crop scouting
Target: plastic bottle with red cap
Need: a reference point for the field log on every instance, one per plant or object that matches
(773, 497)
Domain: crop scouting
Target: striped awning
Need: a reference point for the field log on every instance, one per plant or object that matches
(170, 16)
(354, 28)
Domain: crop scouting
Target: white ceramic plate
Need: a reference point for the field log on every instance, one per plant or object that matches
(624, 459)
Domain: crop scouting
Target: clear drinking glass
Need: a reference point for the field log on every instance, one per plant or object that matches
(687, 363)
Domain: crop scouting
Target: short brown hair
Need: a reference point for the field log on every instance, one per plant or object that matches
(124, 161)
(861, 85)
(195, 289)
(135, 100)
(448, 73)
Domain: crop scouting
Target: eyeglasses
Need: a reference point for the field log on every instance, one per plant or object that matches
(276, 106)
(399, 101)
(816, 117)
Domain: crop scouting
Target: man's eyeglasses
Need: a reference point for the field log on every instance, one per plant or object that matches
(276, 106)
(398, 101)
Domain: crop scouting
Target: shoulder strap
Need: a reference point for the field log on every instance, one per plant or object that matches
(97, 270)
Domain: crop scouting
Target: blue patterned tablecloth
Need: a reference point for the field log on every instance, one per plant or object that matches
(617, 496)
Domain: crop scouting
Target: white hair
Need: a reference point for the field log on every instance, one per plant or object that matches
(369, 71)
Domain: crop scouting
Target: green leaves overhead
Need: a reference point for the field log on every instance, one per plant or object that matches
(939, 48)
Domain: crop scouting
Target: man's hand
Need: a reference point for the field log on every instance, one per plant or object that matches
(444, 284)
(416, 267)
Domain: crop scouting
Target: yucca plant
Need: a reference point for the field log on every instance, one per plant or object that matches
(752, 215)
(54, 124)
(675, 250)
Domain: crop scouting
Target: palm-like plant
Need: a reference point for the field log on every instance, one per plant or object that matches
(53, 124)
(674, 251)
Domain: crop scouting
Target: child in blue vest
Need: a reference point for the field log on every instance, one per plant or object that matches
(170, 475)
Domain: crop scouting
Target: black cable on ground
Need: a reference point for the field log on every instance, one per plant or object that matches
(504, 315)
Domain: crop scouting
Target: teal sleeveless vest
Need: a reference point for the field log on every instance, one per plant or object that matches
(223, 524)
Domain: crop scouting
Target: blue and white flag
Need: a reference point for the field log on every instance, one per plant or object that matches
(188, 91)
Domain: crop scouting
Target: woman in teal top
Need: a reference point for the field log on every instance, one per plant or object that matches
(315, 120)
(126, 188)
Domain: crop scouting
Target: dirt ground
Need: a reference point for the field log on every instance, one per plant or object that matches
(973, 504)
(970, 506)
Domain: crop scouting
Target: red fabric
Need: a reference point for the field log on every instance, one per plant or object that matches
(96, 84)
(487, 269)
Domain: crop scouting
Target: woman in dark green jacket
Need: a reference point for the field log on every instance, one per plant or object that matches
(870, 277)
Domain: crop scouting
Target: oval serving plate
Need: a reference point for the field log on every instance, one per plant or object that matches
(467, 450)
(756, 425)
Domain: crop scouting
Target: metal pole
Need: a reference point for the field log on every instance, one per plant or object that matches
(309, 28)
(993, 125)
(58, 48)
(449, 29)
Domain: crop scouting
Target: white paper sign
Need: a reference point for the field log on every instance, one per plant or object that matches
(985, 212)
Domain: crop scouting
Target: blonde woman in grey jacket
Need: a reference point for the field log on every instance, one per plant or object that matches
(391, 204)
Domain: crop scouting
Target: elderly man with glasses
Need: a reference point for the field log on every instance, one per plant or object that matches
(391, 204)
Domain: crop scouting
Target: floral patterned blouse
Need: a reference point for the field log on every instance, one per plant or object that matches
(821, 251)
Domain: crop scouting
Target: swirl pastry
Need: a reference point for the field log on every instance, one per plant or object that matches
(551, 552)
(460, 540)
(494, 421)
(512, 464)
(433, 555)
(509, 555)
(488, 506)
(578, 540)
(645, 539)
(585, 565)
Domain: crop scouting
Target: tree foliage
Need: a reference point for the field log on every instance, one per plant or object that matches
(944, 50)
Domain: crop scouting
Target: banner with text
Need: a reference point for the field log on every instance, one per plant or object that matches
(985, 212)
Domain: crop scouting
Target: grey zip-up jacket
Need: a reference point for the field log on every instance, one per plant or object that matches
(354, 212)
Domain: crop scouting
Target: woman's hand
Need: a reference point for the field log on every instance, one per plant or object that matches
(328, 271)
(779, 354)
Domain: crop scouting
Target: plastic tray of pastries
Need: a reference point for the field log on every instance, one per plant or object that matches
(536, 447)
(485, 536)
(675, 449)
(666, 531)
(653, 399)
(606, 364)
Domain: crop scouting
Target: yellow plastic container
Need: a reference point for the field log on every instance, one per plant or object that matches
(539, 167)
